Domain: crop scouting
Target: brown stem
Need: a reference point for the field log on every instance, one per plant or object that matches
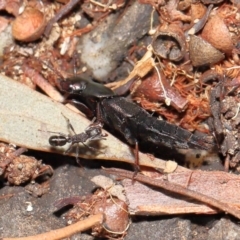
(173, 187)
(226, 163)
(200, 24)
(18, 152)
(66, 231)
(63, 11)
(41, 82)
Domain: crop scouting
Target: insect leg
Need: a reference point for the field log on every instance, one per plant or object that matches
(69, 124)
(69, 148)
(89, 147)
(99, 117)
(77, 156)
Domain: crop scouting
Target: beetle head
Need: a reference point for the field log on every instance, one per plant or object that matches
(73, 86)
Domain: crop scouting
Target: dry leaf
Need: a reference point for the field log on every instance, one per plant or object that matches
(224, 187)
(24, 112)
(107, 184)
(141, 69)
(171, 166)
(103, 182)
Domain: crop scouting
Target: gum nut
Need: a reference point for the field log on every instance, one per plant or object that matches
(216, 33)
(203, 53)
(29, 26)
(116, 214)
(169, 42)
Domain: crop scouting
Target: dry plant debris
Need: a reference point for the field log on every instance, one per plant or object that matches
(221, 186)
(179, 36)
(18, 169)
(116, 219)
(109, 200)
(226, 118)
(173, 186)
(11, 6)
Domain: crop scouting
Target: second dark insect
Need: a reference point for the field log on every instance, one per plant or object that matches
(92, 133)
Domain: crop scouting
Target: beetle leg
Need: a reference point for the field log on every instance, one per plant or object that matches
(82, 107)
(99, 117)
(136, 163)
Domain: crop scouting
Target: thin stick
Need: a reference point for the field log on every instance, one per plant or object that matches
(18, 152)
(41, 82)
(175, 188)
(63, 11)
(66, 231)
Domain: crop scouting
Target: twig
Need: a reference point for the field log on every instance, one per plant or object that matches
(200, 24)
(63, 11)
(42, 83)
(18, 152)
(66, 231)
(173, 187)
(68, 201)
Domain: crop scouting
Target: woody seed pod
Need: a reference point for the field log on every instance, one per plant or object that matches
(217, 33)
(116, 216)
(169, 42)
(203, 53)
(29, 26)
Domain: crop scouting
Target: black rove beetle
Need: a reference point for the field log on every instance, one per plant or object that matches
(130, 120)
